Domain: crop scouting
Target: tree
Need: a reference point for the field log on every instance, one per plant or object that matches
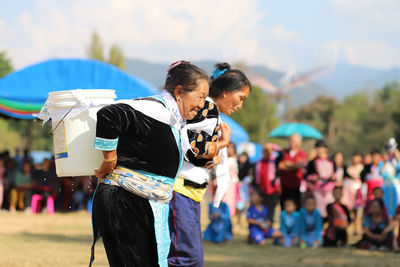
(117, 57)
(319, 114)
(361, 122)
(95, 50)
(5, 65)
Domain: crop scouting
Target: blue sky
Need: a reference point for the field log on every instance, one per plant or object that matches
(284, 35)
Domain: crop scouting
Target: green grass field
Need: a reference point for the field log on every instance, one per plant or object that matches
(65, 240)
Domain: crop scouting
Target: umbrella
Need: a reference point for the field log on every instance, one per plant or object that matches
(287, 129)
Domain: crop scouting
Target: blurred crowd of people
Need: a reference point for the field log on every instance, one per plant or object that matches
(322, 197)
(21, 180)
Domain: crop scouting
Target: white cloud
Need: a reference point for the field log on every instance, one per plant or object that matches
(156, 30)
(375, 54)
(281, 34)
(166, 30)
(370, 13)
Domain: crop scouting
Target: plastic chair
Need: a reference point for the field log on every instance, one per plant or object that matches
(36, 204)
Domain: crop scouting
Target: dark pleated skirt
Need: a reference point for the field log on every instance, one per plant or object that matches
(126, 224)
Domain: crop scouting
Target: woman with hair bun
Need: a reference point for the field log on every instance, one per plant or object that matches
(141, 144)
(204, 141)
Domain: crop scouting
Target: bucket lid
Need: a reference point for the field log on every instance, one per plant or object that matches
(68, 104)
(71, 98)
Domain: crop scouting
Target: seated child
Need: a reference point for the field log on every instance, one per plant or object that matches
(260, 227)
(289, 224)
(378, 232)
(310, 224)
(220, 228)
(338, 221)
(377, 192)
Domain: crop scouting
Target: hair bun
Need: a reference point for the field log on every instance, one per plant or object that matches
(222, 66)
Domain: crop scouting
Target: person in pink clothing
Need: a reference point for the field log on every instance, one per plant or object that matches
(352, 190)
(320, 177)
(372, 173)
(231, 194)
(340, 168)
(352, 181)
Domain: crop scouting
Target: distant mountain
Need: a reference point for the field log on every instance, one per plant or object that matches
(154, 73)
(346, 79)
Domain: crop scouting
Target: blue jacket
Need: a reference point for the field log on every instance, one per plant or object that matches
(304, 228)
(292, 230)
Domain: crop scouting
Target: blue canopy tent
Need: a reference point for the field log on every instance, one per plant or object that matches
(253, 150)
(22, 93)
(239, 135)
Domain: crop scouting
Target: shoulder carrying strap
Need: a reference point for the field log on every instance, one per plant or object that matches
(151, 98)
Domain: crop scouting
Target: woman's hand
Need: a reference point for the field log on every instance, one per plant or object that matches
(264, 226)
(108, 165)
(211, 164)
(225, 135)
(397, 154)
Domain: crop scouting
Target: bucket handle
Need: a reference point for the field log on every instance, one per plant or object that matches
(58, 124)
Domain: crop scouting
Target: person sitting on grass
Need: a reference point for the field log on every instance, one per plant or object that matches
(377, 192)
(338, 221)
(310, 224)
(289, 224)
(22, 192)
(260, 228)
(378, 231)
(220, 228)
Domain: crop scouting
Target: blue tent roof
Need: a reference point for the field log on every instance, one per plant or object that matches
(32, 84)
(239, 134)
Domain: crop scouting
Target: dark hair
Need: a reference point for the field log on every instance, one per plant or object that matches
(377, 188)
(337, 153)
(290, 200)
(321, 143)
(25, 162)
(309, 197)
(356, 153)
(185, 74)
(379, 201)
(375, 151)
(337, 187)
(227, 80)
(258, 191)
(245, 154)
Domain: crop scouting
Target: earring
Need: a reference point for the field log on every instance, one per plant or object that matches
(224, 95)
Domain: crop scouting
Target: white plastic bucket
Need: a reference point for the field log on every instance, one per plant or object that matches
(73, 115)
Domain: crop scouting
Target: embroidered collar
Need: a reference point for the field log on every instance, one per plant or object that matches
(173, 107)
